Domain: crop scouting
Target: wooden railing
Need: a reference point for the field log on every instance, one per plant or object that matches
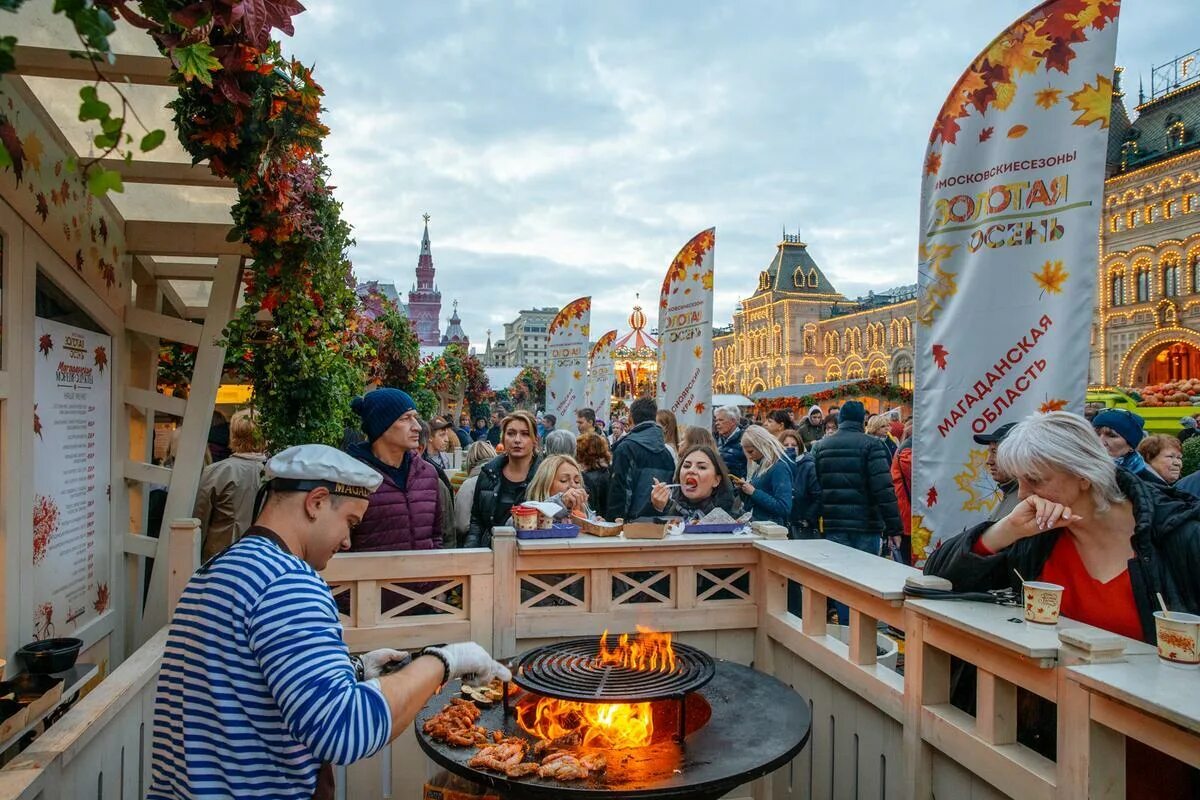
(876, 733)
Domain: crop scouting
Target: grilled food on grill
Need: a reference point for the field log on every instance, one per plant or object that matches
(562, 767)
(455, 724)
(499, 757)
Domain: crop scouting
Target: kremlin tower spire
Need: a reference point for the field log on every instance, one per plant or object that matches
(425, 301)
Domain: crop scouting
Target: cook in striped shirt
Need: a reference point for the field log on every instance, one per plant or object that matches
(258, 694)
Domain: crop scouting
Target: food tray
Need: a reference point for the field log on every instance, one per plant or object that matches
(602, 528)
(559, 530)
(716, 527)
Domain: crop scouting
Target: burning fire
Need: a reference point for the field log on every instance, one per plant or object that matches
(650, 651)
(611, 726)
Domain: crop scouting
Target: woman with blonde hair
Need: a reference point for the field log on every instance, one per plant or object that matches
(479, 453)
(560, 480)
(880, 427)
(768, 492)
(670, 426)
(225, 499)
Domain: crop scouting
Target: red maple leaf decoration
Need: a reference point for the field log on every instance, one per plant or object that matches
(37, 422)
(45, 344)
(42, 210)
(986, 134)
(939, 356)
(79, 260)
(101, 358)
(101, 598)
(12, 143)
(700, 408)
(104, 230)
(931, 497)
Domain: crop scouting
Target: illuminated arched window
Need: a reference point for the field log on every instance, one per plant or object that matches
(1170, 276)
(1194, 269)
(1175, 133)
(854, 373)
(1143, 285)
(812, 278)
(904, 373)
(810, 342)
(834, 373)
(878, 370)
(1118, 289)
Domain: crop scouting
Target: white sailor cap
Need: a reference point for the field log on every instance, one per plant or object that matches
(308, 466)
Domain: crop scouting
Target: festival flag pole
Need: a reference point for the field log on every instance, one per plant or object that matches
(1011, 195)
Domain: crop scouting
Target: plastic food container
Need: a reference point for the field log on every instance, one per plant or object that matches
(559, 530)
(525, 518)
(717, 527)
(50, 655)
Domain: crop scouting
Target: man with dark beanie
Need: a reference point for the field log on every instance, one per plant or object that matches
(404, 512)
(858, 504)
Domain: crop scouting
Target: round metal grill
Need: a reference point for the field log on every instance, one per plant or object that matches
(568, 671)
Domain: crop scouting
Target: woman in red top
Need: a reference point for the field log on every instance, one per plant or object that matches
(1112, 540)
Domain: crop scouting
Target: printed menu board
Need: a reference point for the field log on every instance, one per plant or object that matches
(71, 423)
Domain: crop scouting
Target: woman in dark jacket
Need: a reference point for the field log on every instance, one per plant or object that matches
(1112, 540)
(768, 493)
(503, 480)
(702, 485)
(591, 451)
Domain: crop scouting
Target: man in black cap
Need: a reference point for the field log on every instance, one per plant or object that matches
(1005, 484)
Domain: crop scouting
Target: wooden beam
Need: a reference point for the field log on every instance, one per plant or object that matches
(54, 62)
(152, 238)
(162, 326)
(145, 398)
(146, 473)
(140, 545)
(174, 173)
(183, 272)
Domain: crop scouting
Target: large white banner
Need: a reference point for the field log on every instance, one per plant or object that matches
(600, 375)
(685, 349)
(1010, 205)
(567, 345)
(71, 420)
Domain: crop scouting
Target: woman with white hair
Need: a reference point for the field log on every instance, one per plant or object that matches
(560, 442)
(768, 493)
(1112, 540)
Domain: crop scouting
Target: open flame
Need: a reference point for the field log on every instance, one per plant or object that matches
(650, 651)
(611, 726)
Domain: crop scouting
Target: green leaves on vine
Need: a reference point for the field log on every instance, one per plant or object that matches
(196, 62)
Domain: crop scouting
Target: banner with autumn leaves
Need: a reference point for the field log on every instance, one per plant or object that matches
(567, 347)
(600, 375)
(685, 352)
(1010, 202)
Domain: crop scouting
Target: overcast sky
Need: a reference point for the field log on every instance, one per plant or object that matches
(571, 148)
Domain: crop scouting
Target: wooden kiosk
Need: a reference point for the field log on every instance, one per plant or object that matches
(90, 287)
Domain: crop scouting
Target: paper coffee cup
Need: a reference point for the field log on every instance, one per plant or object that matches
(1178, 638)
(1042, 601)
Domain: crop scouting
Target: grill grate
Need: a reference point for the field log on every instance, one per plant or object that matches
(568, 671)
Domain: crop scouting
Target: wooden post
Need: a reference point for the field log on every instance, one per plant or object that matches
(863, 638)
(772, 601)
(507, 591)
(996, 709)
(926, 682)
(183, 544)
(813, 623)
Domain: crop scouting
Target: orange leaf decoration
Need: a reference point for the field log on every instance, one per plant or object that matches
(1051, 277)
(1056, 404)
(1017, 131)
(1047, 98)
(1095, 102)
(933, 162)
(986, 134)
(700, 408)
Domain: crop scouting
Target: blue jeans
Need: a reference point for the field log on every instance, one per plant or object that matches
(868, 543)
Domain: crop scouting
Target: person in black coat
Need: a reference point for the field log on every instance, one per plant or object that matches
(727, 420)
(503, 480)
(858, 503)
(1077, 508)
(638, 458)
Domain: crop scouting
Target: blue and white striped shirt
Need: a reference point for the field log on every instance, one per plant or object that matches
(256, 687)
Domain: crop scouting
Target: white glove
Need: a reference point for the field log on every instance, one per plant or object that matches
(376, 661)
(472, 663)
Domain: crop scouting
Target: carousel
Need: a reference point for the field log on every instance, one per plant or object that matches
(635, 360)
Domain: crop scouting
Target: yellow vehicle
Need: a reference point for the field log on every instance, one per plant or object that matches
(1160, 419)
